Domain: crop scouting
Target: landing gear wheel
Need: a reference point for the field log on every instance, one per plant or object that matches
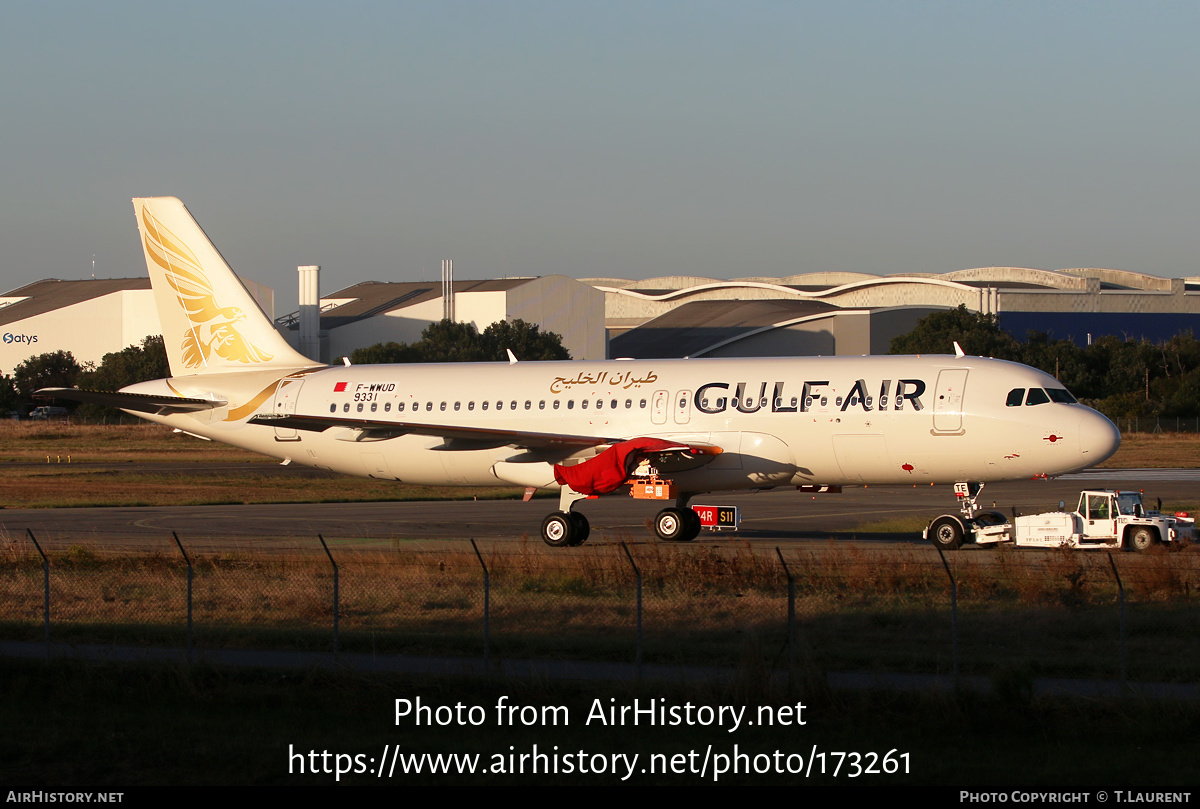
(559, 529)
(582, 529)
(671, 524)
(1142, 539)
(691, 525)
(946, 533)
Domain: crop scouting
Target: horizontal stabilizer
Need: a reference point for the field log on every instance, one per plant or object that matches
(137, 402)
(473, 437)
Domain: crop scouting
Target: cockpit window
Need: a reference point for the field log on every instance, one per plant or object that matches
(1061, 395)
(1036, 396)
(1015, 397)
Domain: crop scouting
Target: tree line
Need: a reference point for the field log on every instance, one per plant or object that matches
(445, 341)
(1120, 378)
(448, 341)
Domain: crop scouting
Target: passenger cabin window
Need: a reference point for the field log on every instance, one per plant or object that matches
(1015, 397)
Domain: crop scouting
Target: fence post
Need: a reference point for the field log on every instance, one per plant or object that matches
(336, 604)
(190, 636)
(487, 607)
(45, 588)
(1121, 601)
(953, 614)
(791, 619)
(638, 574)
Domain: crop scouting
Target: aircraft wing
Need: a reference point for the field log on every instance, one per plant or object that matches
(604, 473)
(609, 470)
(138, 402)
(472, 437)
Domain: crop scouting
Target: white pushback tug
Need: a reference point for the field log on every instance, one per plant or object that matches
(1103, 520)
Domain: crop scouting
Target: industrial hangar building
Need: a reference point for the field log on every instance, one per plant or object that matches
(812, 314)
(855, 313)
(382, 312)
(89, 318)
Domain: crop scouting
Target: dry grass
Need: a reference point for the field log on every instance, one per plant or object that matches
(73, 486)
(1156, 450)
(1048, 612)
(34, 441)
(72, 465)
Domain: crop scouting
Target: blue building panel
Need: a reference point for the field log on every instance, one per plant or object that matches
(1077, 326)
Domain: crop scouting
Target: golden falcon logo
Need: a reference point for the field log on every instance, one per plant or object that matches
(216, 323)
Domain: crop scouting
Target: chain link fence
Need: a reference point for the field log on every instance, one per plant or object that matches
(1158, 424)
(831, 607)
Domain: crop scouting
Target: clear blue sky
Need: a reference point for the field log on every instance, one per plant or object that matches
(629, 139)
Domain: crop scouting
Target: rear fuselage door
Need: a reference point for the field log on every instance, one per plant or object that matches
(287, 393)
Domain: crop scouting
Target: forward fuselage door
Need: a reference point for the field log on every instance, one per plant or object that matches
(948, 400)
(659, 405)
(683, 406)
(287, 393)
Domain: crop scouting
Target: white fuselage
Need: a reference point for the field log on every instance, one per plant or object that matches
(823, 420)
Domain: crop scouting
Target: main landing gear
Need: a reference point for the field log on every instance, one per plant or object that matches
(565, 528)
(561, 529)
(677, 523)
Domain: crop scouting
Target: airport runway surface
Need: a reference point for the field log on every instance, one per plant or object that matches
(779, 517)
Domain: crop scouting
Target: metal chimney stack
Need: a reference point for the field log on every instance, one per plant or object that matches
(447, 289)
(310, 311)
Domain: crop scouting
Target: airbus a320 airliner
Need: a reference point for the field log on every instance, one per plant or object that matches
(589, 428)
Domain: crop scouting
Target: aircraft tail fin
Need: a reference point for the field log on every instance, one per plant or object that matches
(210, 323)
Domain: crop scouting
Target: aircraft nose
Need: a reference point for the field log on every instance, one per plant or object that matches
(1099, 438)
